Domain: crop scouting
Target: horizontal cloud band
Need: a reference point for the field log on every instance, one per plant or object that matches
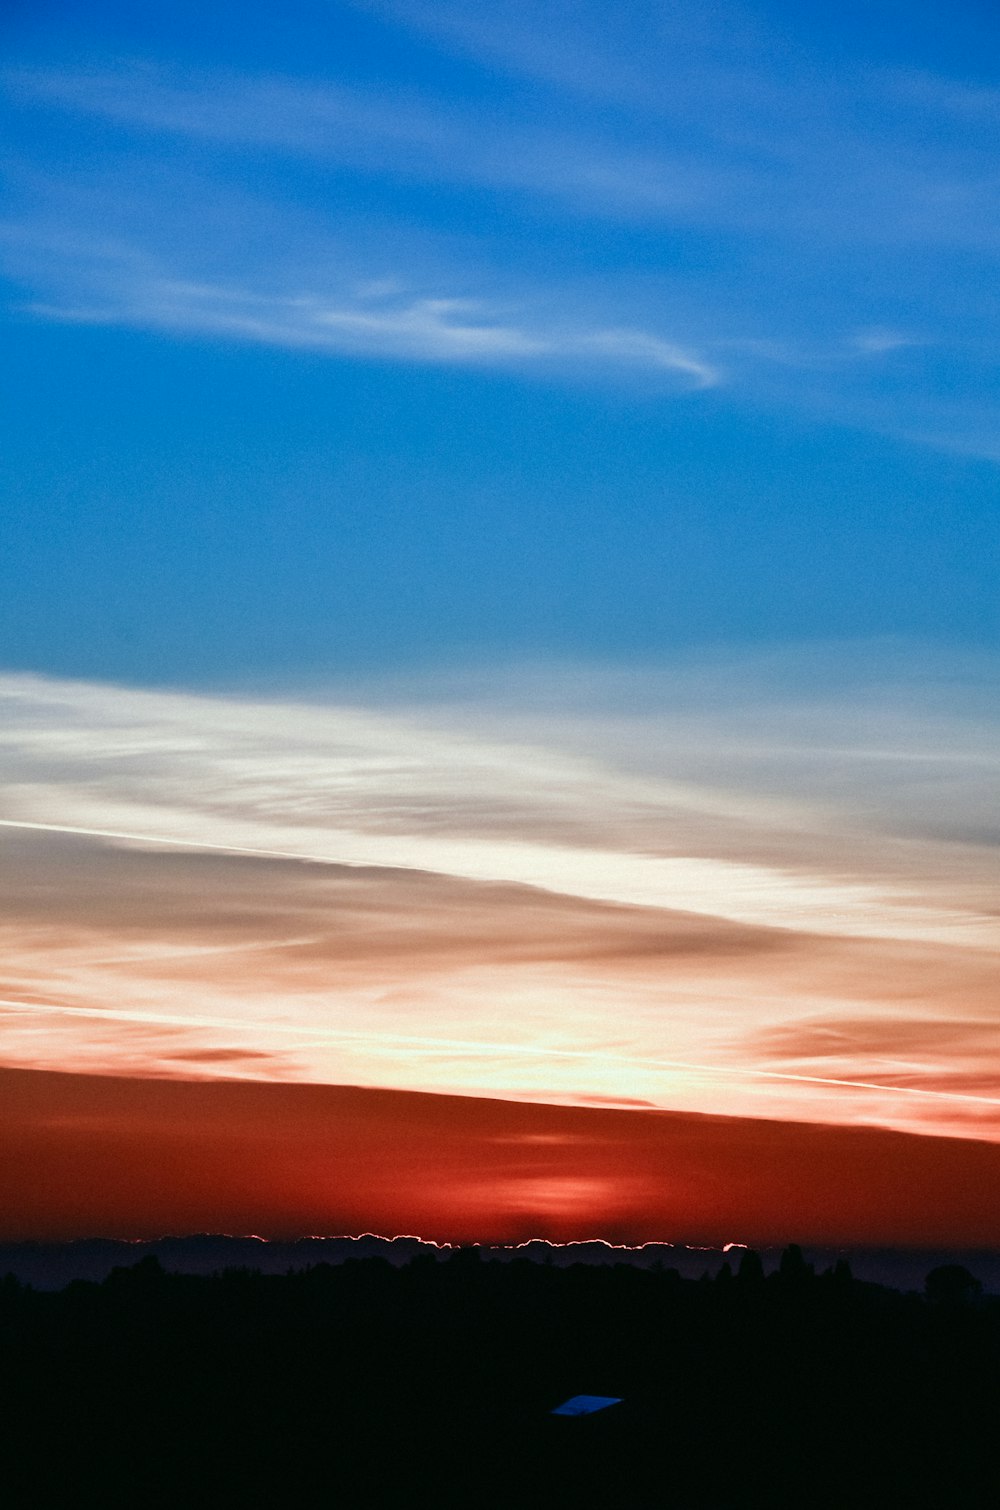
(383, 893)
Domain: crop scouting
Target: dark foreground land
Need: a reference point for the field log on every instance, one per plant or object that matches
(432, 1384)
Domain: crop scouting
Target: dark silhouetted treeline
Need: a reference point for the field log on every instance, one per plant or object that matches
(432, 1384)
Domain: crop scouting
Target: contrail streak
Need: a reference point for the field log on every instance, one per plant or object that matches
(224, 849)
(757, 896)
(478, 1046)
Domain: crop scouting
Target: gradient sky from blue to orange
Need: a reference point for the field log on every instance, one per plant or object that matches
(498, 586)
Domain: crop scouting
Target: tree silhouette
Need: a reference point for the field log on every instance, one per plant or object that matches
(793, 1269)
(952, 1285)
(751, 1270)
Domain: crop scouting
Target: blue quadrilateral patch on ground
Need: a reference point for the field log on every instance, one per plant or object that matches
(585, 1405)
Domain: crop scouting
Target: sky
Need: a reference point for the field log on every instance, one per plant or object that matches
(498, 593)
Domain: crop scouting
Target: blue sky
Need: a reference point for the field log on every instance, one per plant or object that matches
(383, 335)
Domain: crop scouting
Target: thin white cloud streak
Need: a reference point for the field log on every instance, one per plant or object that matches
(572, 47)
(732, 890)
(820, 188)
(721, 61)
(760, 154)
(541, 330)
(376, 132)
(401, 942)
(477, 1047)
(349, 786)
(969, 102)
(448, 330)
(384, 319)
(852, 153)
(867, 742)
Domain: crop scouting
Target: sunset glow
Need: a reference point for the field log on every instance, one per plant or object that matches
(785, 986)
(498, 607)
(138, 1158)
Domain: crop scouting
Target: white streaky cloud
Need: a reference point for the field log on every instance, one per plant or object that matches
(420, 330)
(402, 134)
(731, 890)
(693, 122)
(444, 327)
(423, 329)
(571, 47)
(475, 1047)
(973, 102)
(866, 740)
(226, 107)
(878, 342)
(348, 785)
(432, 329)
(852, 153)
(721, 63)
(636, 347)
(753, 158)
(231, 267)
(591, 886)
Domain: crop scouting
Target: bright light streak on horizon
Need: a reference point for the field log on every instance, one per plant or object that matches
(508, 902)
(479, 1046)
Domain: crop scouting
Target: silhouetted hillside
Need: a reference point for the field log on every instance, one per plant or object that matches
(50, 1266)
(434, 1382)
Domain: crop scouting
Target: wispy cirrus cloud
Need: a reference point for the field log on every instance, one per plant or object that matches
(949, 1054)
(317, 296)
(691, 194)
(371, 322)
(444, 893)
(381, 131)
(743, 149)
(856, 152)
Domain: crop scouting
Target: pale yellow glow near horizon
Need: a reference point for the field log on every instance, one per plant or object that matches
(209, 885)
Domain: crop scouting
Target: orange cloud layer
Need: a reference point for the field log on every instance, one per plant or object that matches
(129, 961)
(708, 903)
(139, 1158)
